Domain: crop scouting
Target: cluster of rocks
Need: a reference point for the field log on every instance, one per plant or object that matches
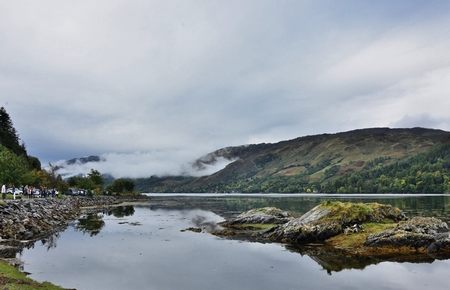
(36, 218)
(417, 232)
(333, 218)
(390, 230)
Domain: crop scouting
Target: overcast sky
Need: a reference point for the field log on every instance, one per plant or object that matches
(158, 83)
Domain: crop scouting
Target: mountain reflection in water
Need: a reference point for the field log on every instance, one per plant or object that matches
(92, 223)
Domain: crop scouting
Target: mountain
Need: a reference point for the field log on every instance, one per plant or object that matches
(341, 162)
(61, 165)
(84, 160)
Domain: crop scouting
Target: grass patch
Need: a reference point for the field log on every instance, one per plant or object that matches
(12, 279)
(356, 240)
(11, 196)
(350, 212)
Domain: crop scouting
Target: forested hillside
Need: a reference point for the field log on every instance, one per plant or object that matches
(368, 160)
(16, 166)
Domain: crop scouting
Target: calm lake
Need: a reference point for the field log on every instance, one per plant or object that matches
(143, 247)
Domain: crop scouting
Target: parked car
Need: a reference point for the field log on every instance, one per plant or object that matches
(75, 191)
(37, 193)
(17, 191)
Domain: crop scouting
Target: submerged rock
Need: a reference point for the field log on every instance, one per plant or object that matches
(192, 229)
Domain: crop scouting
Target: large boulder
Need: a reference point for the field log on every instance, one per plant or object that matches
(265, 215)
(418, 232)
(331, 218)
(252, 224)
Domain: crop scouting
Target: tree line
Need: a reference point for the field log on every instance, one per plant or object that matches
(17, 168)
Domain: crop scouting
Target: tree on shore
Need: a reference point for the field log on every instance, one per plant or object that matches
(8, 134)
(92, 182)
(122, 185)
(97, 180)
(12, 167)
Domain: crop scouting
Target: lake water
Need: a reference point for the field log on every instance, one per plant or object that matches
(143, 247)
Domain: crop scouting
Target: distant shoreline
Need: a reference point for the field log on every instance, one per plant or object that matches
(296, 194)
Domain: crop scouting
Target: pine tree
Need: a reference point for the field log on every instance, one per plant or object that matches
(8, 134)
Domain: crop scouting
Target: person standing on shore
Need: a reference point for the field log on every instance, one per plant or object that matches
(4, 191)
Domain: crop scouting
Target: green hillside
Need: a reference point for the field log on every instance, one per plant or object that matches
(17, 168)
(366, 160)
(10, 141)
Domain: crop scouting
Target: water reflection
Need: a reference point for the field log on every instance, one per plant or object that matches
(122, 211)
(91, 223)
(51, 241)
(149, 256)
(334, 260)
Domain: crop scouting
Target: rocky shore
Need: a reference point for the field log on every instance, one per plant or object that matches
(352, 229)
(24, 221)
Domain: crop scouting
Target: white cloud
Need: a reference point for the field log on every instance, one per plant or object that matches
(139, 164)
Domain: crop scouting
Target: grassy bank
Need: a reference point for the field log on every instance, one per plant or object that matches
(12, 279)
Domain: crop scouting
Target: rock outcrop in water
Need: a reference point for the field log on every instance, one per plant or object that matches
(333, 218)
(357, 229)
(265, 215)
(418, 232)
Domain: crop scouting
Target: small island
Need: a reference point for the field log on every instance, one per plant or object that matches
(334, 232)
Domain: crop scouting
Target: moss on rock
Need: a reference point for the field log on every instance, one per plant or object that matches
(357, 240)
(331, 218)
(357, 229)
(350, 212)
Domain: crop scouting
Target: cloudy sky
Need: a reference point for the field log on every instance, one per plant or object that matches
(154, 84)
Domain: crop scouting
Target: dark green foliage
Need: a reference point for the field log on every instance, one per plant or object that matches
(90, 224)
(122, 185)
(34, 162)
(81, 182)
(16, 167)
(8, 135)
(93, 182)
(121, 211)
(12, 167)
(96, 177)
(425, 173)
(332, 171)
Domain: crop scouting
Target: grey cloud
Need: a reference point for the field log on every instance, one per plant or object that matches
(122, 77)
(422, 120)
